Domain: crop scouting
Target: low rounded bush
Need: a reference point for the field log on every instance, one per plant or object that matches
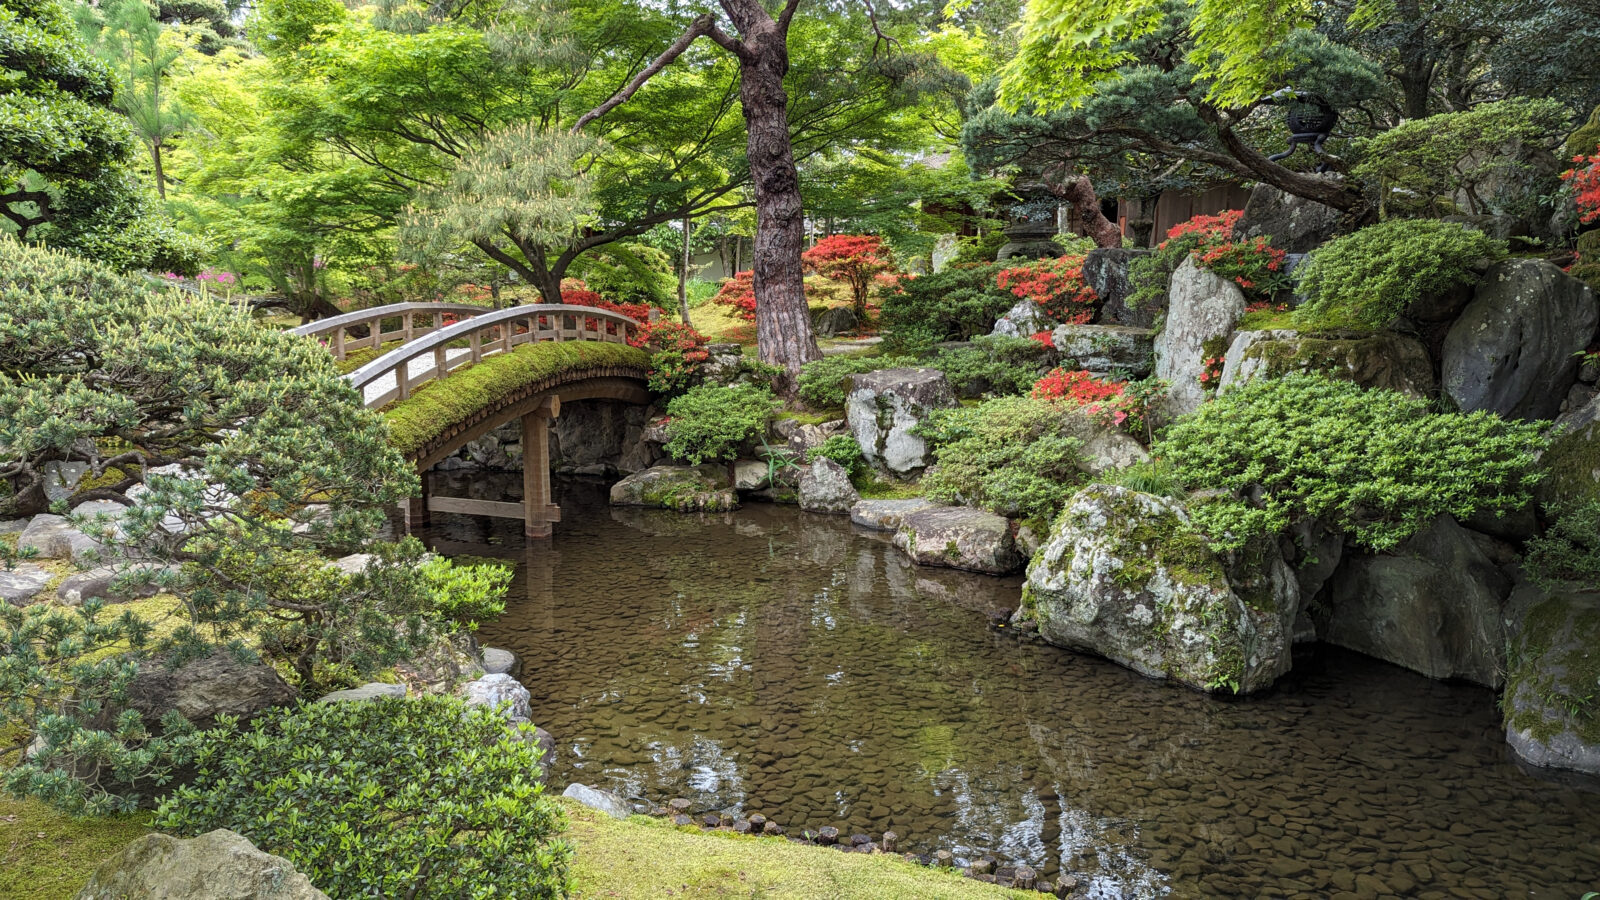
(1570, 549)
(1015, 456)
(1375, 464)
(949, 305)
(1366, 279)
(422, 798)
(712, 423)
(825, 383)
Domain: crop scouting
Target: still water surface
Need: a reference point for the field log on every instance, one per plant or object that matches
(785, 663)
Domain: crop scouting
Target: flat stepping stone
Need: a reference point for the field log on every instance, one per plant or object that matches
(20, 585)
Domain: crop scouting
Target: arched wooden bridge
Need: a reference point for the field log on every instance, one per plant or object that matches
(437, 339)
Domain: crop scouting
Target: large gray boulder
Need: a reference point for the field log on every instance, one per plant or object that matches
(1551, 711)
(883, 408)
(1024, 319)
(825, 488)
(53, 537)
(1572, 462)
(1105, 270)
(836, 321)
(605, 801)
(1512, 351)
(1125, 575)
(204, 689)
(886, 515)
(1203, 312)
(959, 537)
(1379, 360)
(1433, 606)
(1103, 349)
(1294, 224)
(497, 661)
(217, 865)
(683, 488)
(500, 690)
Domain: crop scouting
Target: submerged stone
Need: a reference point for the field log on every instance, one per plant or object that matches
(705, 488)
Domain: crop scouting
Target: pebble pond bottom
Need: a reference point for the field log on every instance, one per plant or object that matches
(784, 663)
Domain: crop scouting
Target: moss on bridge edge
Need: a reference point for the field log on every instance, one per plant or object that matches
(440, 405)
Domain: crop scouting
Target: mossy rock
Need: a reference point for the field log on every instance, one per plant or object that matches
(1552, 699)
(1585, 141)
(1572, 466)
(1380, 359)
(706, 488)
(1127, 576)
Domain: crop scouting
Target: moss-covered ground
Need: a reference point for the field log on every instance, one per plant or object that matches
(48, 856)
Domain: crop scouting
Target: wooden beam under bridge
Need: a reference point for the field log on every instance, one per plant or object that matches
(537, 513)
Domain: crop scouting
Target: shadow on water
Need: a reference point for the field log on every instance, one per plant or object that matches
(785, 663)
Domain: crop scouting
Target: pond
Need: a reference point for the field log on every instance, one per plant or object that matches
(789, 664)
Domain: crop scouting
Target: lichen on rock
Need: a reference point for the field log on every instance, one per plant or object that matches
(1127, 576)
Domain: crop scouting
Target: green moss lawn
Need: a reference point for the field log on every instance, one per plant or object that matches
(47, 856)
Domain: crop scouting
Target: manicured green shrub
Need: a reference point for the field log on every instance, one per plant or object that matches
(1374, 464)
(1570, 549)
(825, 383)
(423, 797)
(950, 305)
(1364, 280)
(1016, 456)
(995, 365)
(842, 449)
(466, 594)
(711, 423)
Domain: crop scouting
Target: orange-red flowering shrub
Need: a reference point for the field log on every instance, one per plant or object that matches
(677, 352)
(1044, 339)
(1056, 285)
(1584, 179)
(1105, 400)
(855, 259)
(1257, 267)
(739, 292)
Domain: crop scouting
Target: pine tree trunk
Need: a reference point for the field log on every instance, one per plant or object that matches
(161, 176)
(783, 321)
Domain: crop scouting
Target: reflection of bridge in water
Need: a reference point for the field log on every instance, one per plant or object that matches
(428, 347)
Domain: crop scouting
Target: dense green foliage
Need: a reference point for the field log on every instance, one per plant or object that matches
(1374, 464)
(993, 365)
(253, 460)
(1015, 456)
(1364, 280)
(1570, 549)
(437, 406)
(825, 382)
(951, 305)
(712, 423)
(1487, 154)
(842, 449)
(421, 797)
(65, 176)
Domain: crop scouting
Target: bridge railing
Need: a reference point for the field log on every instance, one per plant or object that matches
(334, 331)
(485, 334)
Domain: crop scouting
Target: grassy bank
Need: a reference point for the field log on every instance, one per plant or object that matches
(47, 856)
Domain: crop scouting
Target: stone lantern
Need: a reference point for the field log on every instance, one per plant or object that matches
(1031, 223)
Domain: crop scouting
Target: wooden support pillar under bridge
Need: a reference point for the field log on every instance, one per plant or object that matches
(537, 512)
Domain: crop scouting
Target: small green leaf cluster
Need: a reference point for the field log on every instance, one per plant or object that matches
(842, 449)
(1375, 464)
(711, 423)
(465, 594)
(950, 305)
(423, 797)
(1570, 549)
(1366, 279)
(1015, 456)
